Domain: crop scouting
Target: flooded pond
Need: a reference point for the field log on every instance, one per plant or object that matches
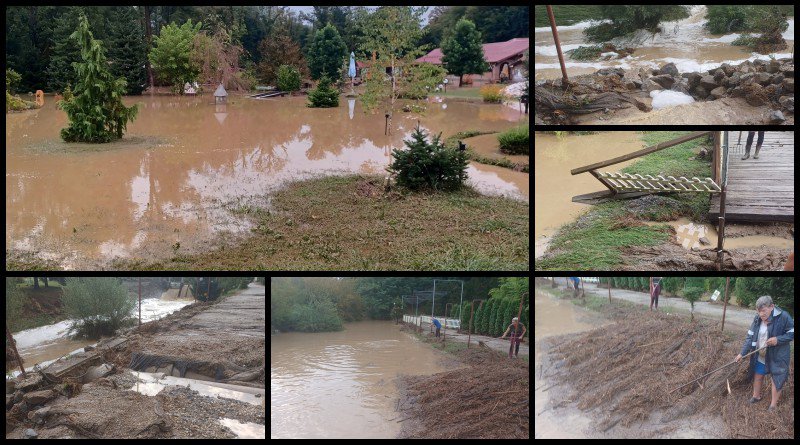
(341, 384)
(554, 157)
(686, 43)
(170, 182)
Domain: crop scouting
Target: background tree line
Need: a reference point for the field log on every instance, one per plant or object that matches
(249, 43)
(322, 304)
(745, 289)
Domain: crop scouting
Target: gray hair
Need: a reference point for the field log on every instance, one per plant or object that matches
(766, 300)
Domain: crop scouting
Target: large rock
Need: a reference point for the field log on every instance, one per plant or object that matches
(737, 92)
(718, 76)
(39, 415)
(700, 92)
(787, 102)
(777, 79)
(734, 80)
(746, 67)
(681, 86)
(708, 82)
(729, 70)
(38, 397)
(773, 67)
(788, 85)
(747, 78)
(96, 372)
(670, 69)
(11, 386)
(693, 79)
(629, 84)
(665, 80)
(755, 95)
(717, 92)
(763, 78)
(18, 396)
(9, 401)
(648, 85)
(776, 117)
(29, 434)
(609, 71)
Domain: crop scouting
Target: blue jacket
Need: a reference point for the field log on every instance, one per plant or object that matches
(781, 326)
(437, 324)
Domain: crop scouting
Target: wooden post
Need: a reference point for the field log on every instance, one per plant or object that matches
(609, 290)
(565, 79)
(140, 301)
(583, 292)
(13, 345)
(208, 295)
(721, 228)
(725, 302)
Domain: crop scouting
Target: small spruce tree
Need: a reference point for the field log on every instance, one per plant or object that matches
(324, 96)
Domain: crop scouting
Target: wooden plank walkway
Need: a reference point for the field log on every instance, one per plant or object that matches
(759, 189)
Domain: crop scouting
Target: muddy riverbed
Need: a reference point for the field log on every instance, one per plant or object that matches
(685, 42)
(342, 384)
(168, 186)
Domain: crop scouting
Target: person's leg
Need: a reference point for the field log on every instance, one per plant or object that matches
(516, 352)
(759, 379)
(511, 347)
(776, 395)
(758, 144)
(657, 291)
(750, 135)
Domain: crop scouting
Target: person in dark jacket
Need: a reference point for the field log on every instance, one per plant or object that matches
(774, 328)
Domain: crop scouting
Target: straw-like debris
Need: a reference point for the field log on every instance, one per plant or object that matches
(632, 369)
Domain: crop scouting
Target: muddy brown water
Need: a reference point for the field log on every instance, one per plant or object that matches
(554, 157)
(341, 384)
(164, 186)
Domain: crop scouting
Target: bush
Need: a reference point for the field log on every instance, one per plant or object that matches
(318, 316)
(491, 93)
(15, 302)
(421, 80)
(585, 52)
(429, 166)
(515, 141)
(98, 305)
(324, 96)
(288, 78)
(781, 289)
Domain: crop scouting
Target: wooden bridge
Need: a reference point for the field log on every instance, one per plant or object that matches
(759, 189)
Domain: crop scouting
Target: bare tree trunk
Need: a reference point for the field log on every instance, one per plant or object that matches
(36, 282)
(149, 37)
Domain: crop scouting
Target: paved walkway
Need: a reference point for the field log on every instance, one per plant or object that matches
(492, 342)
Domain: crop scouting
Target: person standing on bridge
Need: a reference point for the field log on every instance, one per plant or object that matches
(655, 290)
(517, 330)
(750, 135)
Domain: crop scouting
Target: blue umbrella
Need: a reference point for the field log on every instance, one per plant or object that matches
(352, 71)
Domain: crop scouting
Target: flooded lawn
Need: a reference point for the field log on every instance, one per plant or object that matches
(341, 384)
(169, 185)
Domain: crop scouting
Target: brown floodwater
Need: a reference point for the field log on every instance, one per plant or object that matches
(167, 186)
(554, 157)
(685, 42)
(689, 233)
(341, 384)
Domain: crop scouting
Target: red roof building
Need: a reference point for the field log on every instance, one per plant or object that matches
(499, 55)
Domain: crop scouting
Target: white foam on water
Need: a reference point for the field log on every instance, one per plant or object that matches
(245, 430)
(667, 98)
(789, 33)
(579, 25)
(550, 50)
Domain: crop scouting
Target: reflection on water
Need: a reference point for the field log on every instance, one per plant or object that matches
(342, 384)
(162, 187)
(151, 384)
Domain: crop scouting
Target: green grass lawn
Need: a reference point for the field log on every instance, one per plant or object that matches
(466, 92)
(349, 223)
(596, 240)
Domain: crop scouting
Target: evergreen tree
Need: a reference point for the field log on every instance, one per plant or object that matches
(327, 54)
(279, 49)
(428, 166)
(60, 72)
(324, 96)
(96, 112)
(462, 51)
(127, 49)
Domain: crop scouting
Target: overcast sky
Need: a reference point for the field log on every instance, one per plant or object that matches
(309, 9)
